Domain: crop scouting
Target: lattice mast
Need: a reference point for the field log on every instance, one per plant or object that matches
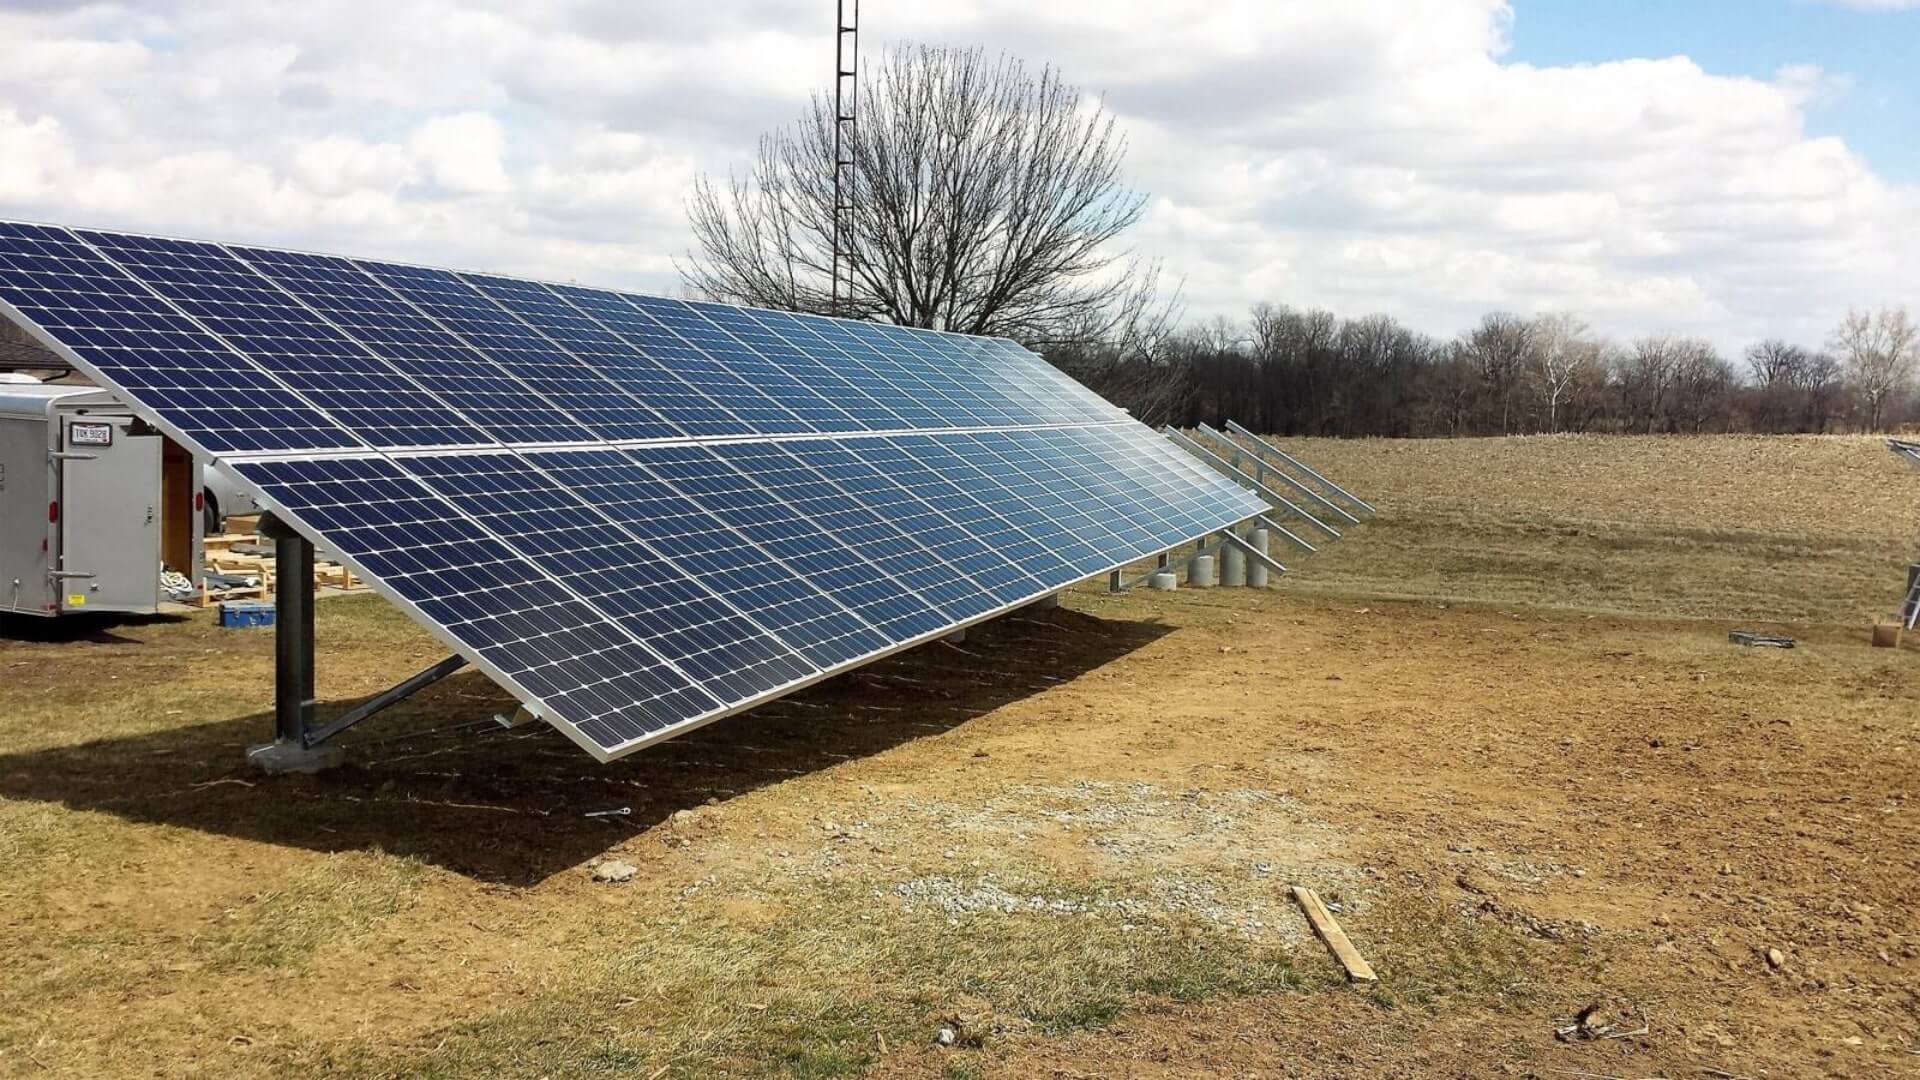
(846, 101)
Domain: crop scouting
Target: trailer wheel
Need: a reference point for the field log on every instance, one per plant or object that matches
(215, 522)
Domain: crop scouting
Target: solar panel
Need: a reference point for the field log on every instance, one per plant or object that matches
(636, 514)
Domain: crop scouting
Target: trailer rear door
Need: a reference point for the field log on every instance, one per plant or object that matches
(109, 515)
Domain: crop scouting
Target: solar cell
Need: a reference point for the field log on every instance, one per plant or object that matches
(290, 342)
(880, 602)
(520, 624)
(939, 363)
(395, 329)
(834, 377)
(572, 535)
(743, 409)
(215, 396)
(637, 514)
(872, 381)
(861, 526)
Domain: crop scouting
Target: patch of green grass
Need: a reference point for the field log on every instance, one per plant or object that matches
(339, 900)
(817, 993)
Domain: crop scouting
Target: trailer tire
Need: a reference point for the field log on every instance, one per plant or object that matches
(214, 522)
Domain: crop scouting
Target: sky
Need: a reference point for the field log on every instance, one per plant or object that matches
(1735, 169)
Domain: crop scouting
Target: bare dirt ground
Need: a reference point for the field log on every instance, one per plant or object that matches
(1066, 840)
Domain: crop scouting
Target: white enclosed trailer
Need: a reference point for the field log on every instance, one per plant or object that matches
(94, 504)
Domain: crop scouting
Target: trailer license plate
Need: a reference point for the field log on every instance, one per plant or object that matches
(90, 435)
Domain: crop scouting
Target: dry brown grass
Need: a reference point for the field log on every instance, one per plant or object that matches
(1743, 528)
(1808, 485)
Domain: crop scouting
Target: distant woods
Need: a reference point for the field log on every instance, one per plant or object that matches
(1297, 372)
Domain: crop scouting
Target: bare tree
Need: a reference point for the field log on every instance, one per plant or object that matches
(1774, 362)
(1450, 386)
(1880, 350)
(1822, 390)
(1778, 370)
(1646, 377)
(1702, 387)
(1137, 360)
(986, 199)
(1502, 345)
(1563, 353)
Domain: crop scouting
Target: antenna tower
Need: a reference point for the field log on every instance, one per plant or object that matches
(846, 100)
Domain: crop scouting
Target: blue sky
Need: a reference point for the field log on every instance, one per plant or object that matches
(1876, 48)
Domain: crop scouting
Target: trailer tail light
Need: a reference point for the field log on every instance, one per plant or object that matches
(53, 513)
(199, 501)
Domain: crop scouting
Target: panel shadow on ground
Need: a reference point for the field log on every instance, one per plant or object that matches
(425, 780)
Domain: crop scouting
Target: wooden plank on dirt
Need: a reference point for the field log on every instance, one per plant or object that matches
(1358, 970)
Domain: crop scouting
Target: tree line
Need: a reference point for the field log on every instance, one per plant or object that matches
(1310, 372)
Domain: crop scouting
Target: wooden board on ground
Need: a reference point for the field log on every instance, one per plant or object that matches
(1358, 970)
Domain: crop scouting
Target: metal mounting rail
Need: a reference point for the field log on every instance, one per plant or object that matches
(1183, 442)
(1263, 446)
(1262, 468)
(1268, 523)
(400, 691)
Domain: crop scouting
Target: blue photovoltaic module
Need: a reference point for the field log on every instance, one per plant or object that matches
(636, 514)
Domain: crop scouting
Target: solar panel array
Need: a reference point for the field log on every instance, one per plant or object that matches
(635, 513)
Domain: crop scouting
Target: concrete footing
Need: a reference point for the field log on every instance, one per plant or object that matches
(1257, 572)
(1233, 567)
(287, 756)
(1200, 572)
(1164, 581)
(957, 636)
(1051, 600)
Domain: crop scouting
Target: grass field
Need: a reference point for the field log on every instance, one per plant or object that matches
(1500, 726)
(1790, 528)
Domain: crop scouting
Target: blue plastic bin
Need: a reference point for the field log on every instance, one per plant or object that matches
(246, 613)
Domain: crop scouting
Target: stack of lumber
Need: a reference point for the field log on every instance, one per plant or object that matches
(244, 553)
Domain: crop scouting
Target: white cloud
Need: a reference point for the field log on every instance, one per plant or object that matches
(462, 153)
(1375, 155)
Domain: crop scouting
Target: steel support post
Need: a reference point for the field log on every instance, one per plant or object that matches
(292, 748)
(293, 639)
